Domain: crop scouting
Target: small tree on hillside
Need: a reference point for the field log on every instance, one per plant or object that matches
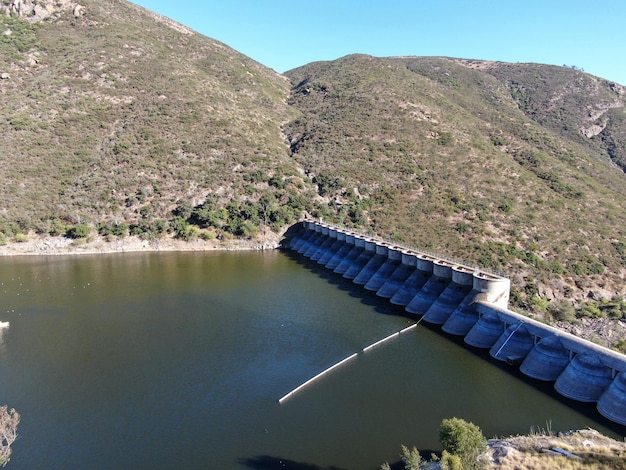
(463, 439)
(8, 432)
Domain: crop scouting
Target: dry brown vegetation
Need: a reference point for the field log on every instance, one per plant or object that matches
(588, 448)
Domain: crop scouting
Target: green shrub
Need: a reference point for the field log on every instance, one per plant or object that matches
(411, 458)
(620, 345)
(190, 233)
(150, 230)
(498, 140)
(450, 462)
(179, 226)
(207, 235)
(539, 303)
(78, 231)
(120, 230)
(562, 311)
(445, 139)
(463, 439)
(590, 310)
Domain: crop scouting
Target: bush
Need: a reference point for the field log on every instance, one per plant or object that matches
(411, 458)
(150, 230)
(450, 462)
(78, 231)
(120, 230)
(190, 233)
(464, 440)
(619, 345)
(562, 311)
(57, 227)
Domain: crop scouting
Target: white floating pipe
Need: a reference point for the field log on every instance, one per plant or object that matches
(343, 361)
(393, 335)
(317, 377)
(412, 326)
(397, 333)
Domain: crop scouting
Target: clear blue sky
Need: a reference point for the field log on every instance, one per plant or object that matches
(286, 34)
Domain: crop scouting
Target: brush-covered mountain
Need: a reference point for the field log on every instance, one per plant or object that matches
(116, 120)
(111, 114)
(513, 166)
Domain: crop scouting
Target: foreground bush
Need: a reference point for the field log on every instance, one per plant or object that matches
(463, 445)
(463, 439)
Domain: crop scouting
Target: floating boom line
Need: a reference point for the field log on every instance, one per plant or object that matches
(371, 346)
(393, 335)
(343, 361)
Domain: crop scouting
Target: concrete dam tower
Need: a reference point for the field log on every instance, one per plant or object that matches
(472, 304)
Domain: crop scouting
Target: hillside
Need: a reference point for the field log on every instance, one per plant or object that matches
(121, 122)
(443, 154)
(113, 114)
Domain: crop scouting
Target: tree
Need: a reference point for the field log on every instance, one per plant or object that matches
(463, 439)
(8, 432)
(411, 458)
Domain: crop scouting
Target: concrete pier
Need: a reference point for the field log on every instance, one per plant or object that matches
(338, 243)
(334, 261)
(611, 404)
(366, 255)
(547, 360)
(471, 303)
(384, 272)
(485, 332)
(455, 303)
(351, 257)
(585, 378)
(514, 344)
(408, 264)
(430, 292)
(413, 284)
(371, 267)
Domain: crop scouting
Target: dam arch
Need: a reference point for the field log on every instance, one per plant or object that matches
(472, 303)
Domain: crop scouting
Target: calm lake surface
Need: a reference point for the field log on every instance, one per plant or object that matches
(177, 360)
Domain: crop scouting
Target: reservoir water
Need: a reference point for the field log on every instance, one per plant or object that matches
(177, 360)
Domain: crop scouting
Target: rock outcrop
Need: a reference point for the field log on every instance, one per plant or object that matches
(35, 11)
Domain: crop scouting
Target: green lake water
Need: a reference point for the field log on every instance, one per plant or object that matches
(177, 360)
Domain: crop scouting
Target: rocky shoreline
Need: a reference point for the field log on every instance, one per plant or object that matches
(39, 245)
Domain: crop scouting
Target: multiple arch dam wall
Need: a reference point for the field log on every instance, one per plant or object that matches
(470, 303)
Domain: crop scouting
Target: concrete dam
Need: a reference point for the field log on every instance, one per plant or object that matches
(468, 302)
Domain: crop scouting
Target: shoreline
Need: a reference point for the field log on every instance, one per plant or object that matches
(40, 245)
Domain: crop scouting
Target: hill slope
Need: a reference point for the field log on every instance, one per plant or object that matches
(115, 110)
(118, 120)
(447, 154)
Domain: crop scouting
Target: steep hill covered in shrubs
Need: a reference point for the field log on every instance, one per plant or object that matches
(507, 166)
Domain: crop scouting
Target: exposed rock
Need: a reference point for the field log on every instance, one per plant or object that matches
(591, 131)
(4, 76)
(547, 450)
(38, 10)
